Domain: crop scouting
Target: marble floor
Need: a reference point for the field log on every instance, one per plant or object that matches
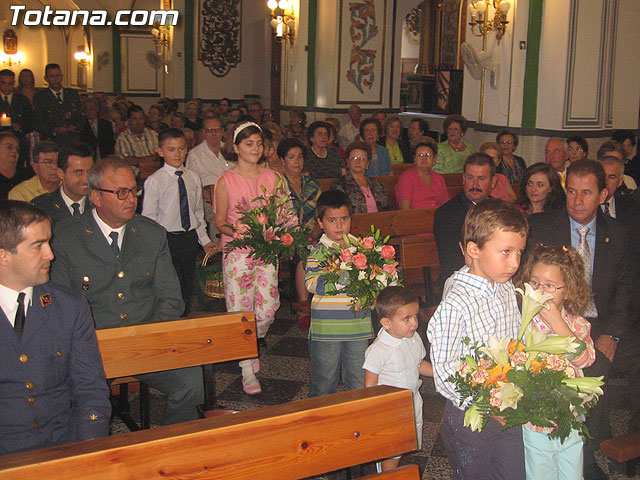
(284, 377)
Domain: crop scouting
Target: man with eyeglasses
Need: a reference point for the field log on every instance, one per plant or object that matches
(255, 111)
(45, 166)
(610, 264)
(208, 161)
(10, 174)
(120, 261)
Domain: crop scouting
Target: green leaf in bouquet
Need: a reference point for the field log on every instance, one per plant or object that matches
(343, 279)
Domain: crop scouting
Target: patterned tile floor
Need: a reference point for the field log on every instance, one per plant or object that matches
(284, 377)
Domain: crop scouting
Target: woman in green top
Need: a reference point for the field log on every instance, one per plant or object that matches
(454, 150)
(399, 151)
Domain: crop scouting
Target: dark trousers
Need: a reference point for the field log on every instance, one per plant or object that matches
(184, 252)
(626, 362)
(491, 454)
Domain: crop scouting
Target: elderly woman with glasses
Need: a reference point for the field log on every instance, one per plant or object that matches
(511, 166)
(419, 186)
(577, 148)
(380, 162)
(366, 194)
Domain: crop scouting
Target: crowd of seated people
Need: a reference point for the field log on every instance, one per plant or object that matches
(352, 154)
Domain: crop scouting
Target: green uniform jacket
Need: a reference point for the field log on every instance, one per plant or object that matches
(54, 205)
(140, 285)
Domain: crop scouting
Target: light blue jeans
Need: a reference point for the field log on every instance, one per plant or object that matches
(547, 459)
(329, 359)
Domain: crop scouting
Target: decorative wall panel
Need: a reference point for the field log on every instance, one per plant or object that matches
(219, 35)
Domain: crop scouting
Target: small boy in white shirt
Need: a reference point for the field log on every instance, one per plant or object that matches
(396, 357)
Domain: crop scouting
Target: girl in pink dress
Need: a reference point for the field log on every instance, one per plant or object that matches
(250, 284)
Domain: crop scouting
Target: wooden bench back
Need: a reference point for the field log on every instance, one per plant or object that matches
(157, 346)
(294, 440)
(148, 167)
(394, 222)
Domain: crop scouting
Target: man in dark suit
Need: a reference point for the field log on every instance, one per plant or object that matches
(121, 262)
(478, 179)
(58, 114)
(96, 132)
(613, 265)
(15, 105)
(620, 202)
(54, 389)
(71, 198)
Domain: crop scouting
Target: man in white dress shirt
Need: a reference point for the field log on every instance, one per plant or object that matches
(208, 161)
(351, 130)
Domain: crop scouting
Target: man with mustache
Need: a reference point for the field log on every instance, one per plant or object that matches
(478, 179)
(54, 389)
(71, 199)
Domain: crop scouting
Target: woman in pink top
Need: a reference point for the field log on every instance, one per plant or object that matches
(421, 187)
(250, 285)
(503, 189)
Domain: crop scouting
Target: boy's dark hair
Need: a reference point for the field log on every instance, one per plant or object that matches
(390, 299)
(332, 199)
(583, 167)
(490, 215)
(169, 133)
(76, 149)
(15, 216)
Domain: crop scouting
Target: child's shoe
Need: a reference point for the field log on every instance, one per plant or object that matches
(251, 385)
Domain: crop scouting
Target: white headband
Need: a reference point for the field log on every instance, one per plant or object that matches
(242, 126)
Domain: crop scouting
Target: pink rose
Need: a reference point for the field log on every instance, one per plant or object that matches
(232, 299)
(286, 239)
(262, 218)
(390, 268)
(246, 304)
(346, 256)
(368, 243)
(388, 252)
(246, 282)
(360, 261)
(259, 299)
(274, 292)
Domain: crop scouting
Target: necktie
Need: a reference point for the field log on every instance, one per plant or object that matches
(583, 250)
(114, 243)
(605, 208)
(6, 99)
(59, 97)
(76, 212)
(18, 325)
(184, 202)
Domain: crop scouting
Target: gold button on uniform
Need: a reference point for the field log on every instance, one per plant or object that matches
(58, 354)
(120, 295)
(35, 425)
(24, 358)
(29, 386)
(120, 274)
(32, 400)
(123, 316)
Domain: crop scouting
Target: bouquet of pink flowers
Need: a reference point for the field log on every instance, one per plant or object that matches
(526, 380)
(269, 227)
(361, 270)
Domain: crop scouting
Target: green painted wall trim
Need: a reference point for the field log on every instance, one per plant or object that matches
(532, 65)
(117, 59)
(311, 57)
(189, 34)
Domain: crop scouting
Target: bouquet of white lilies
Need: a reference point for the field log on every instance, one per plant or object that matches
(526, 380)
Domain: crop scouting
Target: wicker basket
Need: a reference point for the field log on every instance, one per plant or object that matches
(214, 288)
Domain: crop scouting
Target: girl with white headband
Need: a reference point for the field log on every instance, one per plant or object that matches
(250, 285)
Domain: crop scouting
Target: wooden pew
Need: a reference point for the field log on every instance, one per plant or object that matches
(148, 167)
(623, 449)
(154, 347)
(294, 440)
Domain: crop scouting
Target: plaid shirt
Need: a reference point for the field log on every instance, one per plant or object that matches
(305, 204)
(474, 309)
(130, 145)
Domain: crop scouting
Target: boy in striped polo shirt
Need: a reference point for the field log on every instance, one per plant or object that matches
(338, 337)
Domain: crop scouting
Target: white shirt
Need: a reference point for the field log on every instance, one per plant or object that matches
(106, 229)
(396, 361)
(9, 302)
(9, 97)
(162, 200)
(206, 163)
(612, 207)
(55, 94)
(349, 132)
(68, 202)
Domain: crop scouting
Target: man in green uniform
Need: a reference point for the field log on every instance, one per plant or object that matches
(121, 262)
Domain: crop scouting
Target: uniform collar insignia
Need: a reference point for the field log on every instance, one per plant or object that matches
(45, 299)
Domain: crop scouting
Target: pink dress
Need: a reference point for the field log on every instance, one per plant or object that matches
(411, 187)
(239, 187)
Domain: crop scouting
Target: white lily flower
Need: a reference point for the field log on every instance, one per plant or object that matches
(532, 302)
(510, 394)
(586, 385)
(555, 345)
(497, 350)
(473, 419)
(345, 266)
(362, 275)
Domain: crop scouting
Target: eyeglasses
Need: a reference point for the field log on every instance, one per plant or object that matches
(363, 159)
(214, 130)
(577, 149)
(546, 287)
(424, 155)
(122, 193)
(506, 142)
(48, 163)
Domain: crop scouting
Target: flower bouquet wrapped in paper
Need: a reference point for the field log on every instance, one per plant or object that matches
(269, 227)
(526, 380)
(362, 269)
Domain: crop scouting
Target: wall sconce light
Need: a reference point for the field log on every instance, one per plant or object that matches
(479, 10)
(282, 19)
(82, 56)
(10, 55)
(161, 35)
